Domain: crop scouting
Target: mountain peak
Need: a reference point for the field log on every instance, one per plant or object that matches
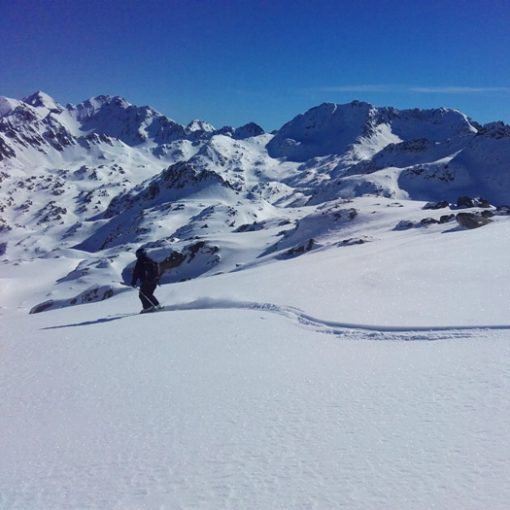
(496, 129)
(40, 99)
(200, 125)
(329, 128)
(247, 131)
(98, 102)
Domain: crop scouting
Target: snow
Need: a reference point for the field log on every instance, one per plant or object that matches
(352, 377)
(216, 404)
(42, 101)
(200, 125)
(327, 341)
(7, 105)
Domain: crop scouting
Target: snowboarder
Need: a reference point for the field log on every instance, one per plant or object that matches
(147, 271)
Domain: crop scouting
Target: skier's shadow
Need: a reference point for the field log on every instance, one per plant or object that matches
(90, 323)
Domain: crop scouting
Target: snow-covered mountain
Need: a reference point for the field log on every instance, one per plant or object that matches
(88, 183)
(335, 332)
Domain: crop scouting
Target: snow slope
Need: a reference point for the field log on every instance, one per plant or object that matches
(288, 385)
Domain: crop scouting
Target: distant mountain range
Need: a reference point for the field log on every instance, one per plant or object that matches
(92, 181)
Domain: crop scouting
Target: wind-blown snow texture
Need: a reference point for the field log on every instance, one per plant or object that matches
(335, 330)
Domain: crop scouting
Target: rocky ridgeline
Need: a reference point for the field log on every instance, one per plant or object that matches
(175, 182)
(39, 123)
(480, 213)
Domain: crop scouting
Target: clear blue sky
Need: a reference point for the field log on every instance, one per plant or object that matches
(233, 61)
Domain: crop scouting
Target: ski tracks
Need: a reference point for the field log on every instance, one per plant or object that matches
(345, 330)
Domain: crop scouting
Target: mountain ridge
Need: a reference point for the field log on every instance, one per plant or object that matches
(91, 182)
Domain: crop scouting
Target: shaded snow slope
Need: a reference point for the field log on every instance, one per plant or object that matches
(333, 129)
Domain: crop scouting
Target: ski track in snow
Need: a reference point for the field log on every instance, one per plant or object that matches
(340, 329)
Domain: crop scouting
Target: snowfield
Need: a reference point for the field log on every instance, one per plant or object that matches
(336, 324)
(282, 386)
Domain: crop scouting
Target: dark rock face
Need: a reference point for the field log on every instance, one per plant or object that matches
(226, 131)
(472, 220)
(496, 130)
(436, 205)
(96, 293)
(6, 152)
(445, 218)
(247, 131)
(428, 221)
(503, 210)
(465, 202)
(300, 249)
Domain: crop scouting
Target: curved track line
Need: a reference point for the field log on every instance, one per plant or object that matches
(345, 329)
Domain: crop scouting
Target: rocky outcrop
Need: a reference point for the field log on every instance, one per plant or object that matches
(178, 180)
(473, 220)
(91, 295)
(247, 131)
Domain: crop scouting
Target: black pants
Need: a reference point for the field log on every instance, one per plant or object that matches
(146, 294)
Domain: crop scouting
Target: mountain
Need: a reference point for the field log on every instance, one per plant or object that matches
(336, 129)
(86, 184)
(335, 328)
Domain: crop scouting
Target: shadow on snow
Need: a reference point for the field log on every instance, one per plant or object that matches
(340, 329)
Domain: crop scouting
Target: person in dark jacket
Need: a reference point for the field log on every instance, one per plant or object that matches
(146, 270)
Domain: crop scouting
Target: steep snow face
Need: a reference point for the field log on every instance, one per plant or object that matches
(115, 117)
(40, 99)
(326, 129)
(487, 161)
(435, 125)
(364, 129)
(479, 167)
(7, 105)
(33, 130)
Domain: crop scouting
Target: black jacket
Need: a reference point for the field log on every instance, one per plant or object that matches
(146, 270)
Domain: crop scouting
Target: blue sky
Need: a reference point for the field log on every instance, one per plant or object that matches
(234, 61)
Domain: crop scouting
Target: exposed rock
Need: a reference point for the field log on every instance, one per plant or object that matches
(51, 212)
(472, 220)
(226, 131)
(247, 131)
(465, 202)
(353, 241)
(445, 218)
(503, 210)
(428, 221)
(251, 227)
(6, 152)
(404, 225)
(93, 294)
(496, 130)
(180, 176)
(436, 205)
(300, 249)
(425, 222)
